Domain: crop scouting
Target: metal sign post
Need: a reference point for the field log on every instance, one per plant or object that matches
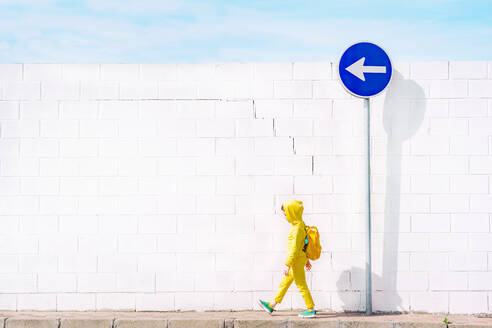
(367, 103)
(365, 70)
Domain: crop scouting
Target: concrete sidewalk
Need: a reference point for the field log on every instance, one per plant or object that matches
(251, 319)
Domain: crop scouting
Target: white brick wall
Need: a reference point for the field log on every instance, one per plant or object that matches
(158, 186)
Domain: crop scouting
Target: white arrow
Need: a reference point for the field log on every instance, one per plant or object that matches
(358, 69)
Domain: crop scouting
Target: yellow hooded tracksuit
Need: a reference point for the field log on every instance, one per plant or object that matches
(296, 257)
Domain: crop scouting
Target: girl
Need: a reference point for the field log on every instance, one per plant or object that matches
(296, 260)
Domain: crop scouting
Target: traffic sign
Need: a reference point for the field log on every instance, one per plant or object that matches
(365, 69)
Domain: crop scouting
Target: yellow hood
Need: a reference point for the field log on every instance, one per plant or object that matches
(293, 210)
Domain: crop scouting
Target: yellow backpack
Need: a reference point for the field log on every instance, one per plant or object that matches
(312, 246)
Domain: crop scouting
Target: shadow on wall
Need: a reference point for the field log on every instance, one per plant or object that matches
(403, 113)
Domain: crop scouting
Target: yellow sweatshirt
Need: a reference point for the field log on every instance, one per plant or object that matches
(295, 239)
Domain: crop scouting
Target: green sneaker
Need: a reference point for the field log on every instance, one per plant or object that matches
(308, 314)
(265, 306)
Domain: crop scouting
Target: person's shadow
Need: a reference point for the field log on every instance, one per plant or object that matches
(403, 113)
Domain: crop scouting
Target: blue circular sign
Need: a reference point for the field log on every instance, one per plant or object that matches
(365, 69)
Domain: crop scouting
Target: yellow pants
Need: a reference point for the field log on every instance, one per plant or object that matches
(297, 274)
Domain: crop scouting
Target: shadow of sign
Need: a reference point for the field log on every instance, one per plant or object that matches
(403, 114)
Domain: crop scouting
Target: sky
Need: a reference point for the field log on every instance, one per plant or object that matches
(192, 31)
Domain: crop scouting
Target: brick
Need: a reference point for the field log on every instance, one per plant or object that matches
(177, 90)
(401, 70)
(42, 72)
(480, 126)
(9, 110)
(110, 263)
(447, 127)
(120, 72)
(330, 127)
(429, 261)
(78, 109)
(20, 129)
(78, 147)
(313, 145)
(151, 263)
(9, 149)
(116, 301)
(449, 203)
(293, 165)
(256, 204)
(448, 280)
(10, 72)
(274, 146)
(203, 185)
(99, 90)
(175, 282)
(155, 302)
(73, 301)
(36, 302)
(467, 70)
(98, 128)
(37, 264)
(118, 110)
(59, 128)
(480, 165)
(254, 127)
(428, 301)
(468, 261)
(195, 72)
(234, 109)
(312, 71)
(468, 145)
(467, 107)
(448, 242)
(273, 108)
(293, 89)
(57, 282)
(39, 185)
(313, 108)
(149, 146)
(80, 72)
(215, 165)
(480, 203)
(273, 185)
(234, 146)
(214, 281)
(480, 242)
(138, 90)
(468, 302)
(448, 165)
(158, 72)
(215, 128)
(174, 166)
(329, 90)
(470, 184)
(333, 165)
(215, 204)
(31, 147)
(22, 91)
(234, 71)
(195, 146)
(480, 88)
(195, 109)
(429, 70)
(430, 223)
(235, 185)
(60, 90)
(273, 71)
(293, 127)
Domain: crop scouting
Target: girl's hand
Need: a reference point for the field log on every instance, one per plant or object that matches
(286, 271)
(308, 266)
